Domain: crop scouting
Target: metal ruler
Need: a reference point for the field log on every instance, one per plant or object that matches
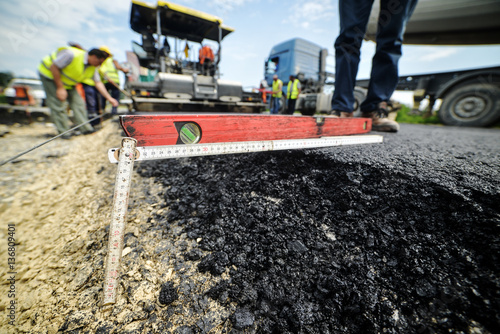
(128, 153)
(194, 150)
(118, 216)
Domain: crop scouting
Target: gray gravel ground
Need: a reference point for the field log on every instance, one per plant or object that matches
(398, 237)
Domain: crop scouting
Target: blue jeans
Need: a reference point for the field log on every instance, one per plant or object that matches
(354, 15)
(275, 105)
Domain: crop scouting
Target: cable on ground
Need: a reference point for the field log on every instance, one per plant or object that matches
(48, 141)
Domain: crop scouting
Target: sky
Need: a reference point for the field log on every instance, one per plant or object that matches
(31, 29)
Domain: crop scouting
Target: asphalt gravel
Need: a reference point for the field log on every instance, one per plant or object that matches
(398, 237)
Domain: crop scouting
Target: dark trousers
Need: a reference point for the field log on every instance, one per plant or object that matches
(58, 111)
(291, 106)
(92, 97)
(354, 15)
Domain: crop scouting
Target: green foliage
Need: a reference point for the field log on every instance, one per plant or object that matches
(5, 77)
(3, 99)
(407, 115)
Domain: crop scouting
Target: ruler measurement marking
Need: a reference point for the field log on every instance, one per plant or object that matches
(119, 213)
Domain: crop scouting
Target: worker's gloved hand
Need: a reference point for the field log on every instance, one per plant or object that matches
(61, 94)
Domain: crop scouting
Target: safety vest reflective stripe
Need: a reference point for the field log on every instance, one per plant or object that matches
(294, 90)
(72, 74)
(276, 87)
(109, 71)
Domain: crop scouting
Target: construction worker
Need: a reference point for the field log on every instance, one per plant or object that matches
(276, 95)
(292, 94)
(207, 57)
(60, 72)
(109, 74)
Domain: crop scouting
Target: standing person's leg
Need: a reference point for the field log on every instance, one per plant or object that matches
(102, 101)
(57, 107)
(384, 74)
(354, 15)
(274, 109)
(91, 101)
(115, 93)
(79, 111)
(291, 106)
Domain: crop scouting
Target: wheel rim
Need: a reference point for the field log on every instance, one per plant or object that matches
(471, 107)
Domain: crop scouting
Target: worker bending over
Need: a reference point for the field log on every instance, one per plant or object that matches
(60, 72)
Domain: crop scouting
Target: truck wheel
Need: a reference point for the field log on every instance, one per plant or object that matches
(359, 97)
(282, 108)
(471, 105)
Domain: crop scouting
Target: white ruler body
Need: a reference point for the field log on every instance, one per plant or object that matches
(118, 216)
(194, 150)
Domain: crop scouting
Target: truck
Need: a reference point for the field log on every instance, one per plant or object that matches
(469, 97)
(163, 79)
(307, 61)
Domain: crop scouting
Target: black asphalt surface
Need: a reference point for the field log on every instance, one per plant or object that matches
(398, 237)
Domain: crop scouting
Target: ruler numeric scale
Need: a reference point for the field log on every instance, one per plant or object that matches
(153, 137)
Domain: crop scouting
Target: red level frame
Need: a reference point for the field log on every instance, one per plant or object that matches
(164, 129)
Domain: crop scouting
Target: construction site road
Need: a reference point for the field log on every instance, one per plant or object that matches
(398, 237)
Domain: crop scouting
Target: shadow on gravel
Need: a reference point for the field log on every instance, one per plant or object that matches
(315, 246)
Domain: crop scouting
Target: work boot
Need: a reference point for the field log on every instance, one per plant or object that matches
(380, 122)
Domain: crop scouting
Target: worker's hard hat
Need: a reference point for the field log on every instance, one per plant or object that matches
(105, 49)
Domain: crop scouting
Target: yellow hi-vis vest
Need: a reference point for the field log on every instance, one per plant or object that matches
(89, 81)
(72, 74)
(294, 90)
(109, 71)
(276, 86)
